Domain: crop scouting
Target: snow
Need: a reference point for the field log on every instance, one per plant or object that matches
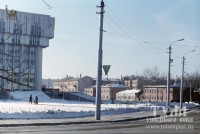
(84, 95)
(19, 107)
(119, 86)
(129, 91)
(19, 95)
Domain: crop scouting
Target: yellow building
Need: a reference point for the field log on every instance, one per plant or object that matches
(70, 84)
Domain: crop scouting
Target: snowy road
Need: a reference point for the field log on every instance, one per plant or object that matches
(128, 127)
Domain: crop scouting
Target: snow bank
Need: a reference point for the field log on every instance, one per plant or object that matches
(19, 108)
(24, 95)
(66, 109)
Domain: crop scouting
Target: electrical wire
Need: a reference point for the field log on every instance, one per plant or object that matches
(47, 4)
(127, 32)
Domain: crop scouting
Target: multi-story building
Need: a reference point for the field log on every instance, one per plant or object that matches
(140, 82)
(22, 39)
(156, 93)
(48, 83)
(132, 83)
(159, 94)
(70, 84)
(106, 81)
(108, 92)
(90, 91)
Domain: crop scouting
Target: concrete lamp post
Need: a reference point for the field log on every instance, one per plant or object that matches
(168, 76)
(182, 79)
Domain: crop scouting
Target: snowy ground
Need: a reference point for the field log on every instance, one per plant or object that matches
(19, 108)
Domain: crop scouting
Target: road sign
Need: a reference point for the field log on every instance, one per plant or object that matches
(106, 68)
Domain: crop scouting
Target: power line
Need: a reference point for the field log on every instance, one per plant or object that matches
(128, 32)
(121, 26)
(47, 4)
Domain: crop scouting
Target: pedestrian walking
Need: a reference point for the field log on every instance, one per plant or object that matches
(30, 99)
(36, 100)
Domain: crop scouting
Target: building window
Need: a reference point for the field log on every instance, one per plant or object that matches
(16, 61)
(10, 51)
(13, 40)
(26, 61)
(33, 52)
(32, 30)
(30, 42)
(2, 26)
(17, 51)
(32, 80)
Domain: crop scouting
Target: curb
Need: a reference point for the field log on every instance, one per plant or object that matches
(77, 123)
(81, 122)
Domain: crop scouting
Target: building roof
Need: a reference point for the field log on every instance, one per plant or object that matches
(177, 85)
(116, 86)
(64, 79)
(133, 91)
(119, 86)
(73, 79)
(152, 86)
(109, 79)
(69, 79)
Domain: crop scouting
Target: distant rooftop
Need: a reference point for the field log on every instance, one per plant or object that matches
(116, 86)
(109, 79)
(133, 91)
(69, 79)
(150, 86)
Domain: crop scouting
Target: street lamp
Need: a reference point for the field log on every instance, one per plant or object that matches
(168, 76)
(182, 78)
(177, 41)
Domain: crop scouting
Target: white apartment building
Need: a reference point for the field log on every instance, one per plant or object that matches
(22, 39)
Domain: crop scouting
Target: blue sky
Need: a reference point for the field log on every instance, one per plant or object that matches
(129, 23)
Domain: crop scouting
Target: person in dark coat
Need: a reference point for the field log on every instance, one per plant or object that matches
(36, 100)
(30, 99)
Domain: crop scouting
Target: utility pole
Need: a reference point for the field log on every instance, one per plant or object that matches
(181, 90)
(99, 79)
(190, 91)
(182, 79)
(168, 78)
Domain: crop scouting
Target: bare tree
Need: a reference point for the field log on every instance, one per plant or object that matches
(147, 73)
(8, 68)
(12, 59)
(151, 73)
(193, 79)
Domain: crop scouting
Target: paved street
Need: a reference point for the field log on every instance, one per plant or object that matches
(189, 125)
